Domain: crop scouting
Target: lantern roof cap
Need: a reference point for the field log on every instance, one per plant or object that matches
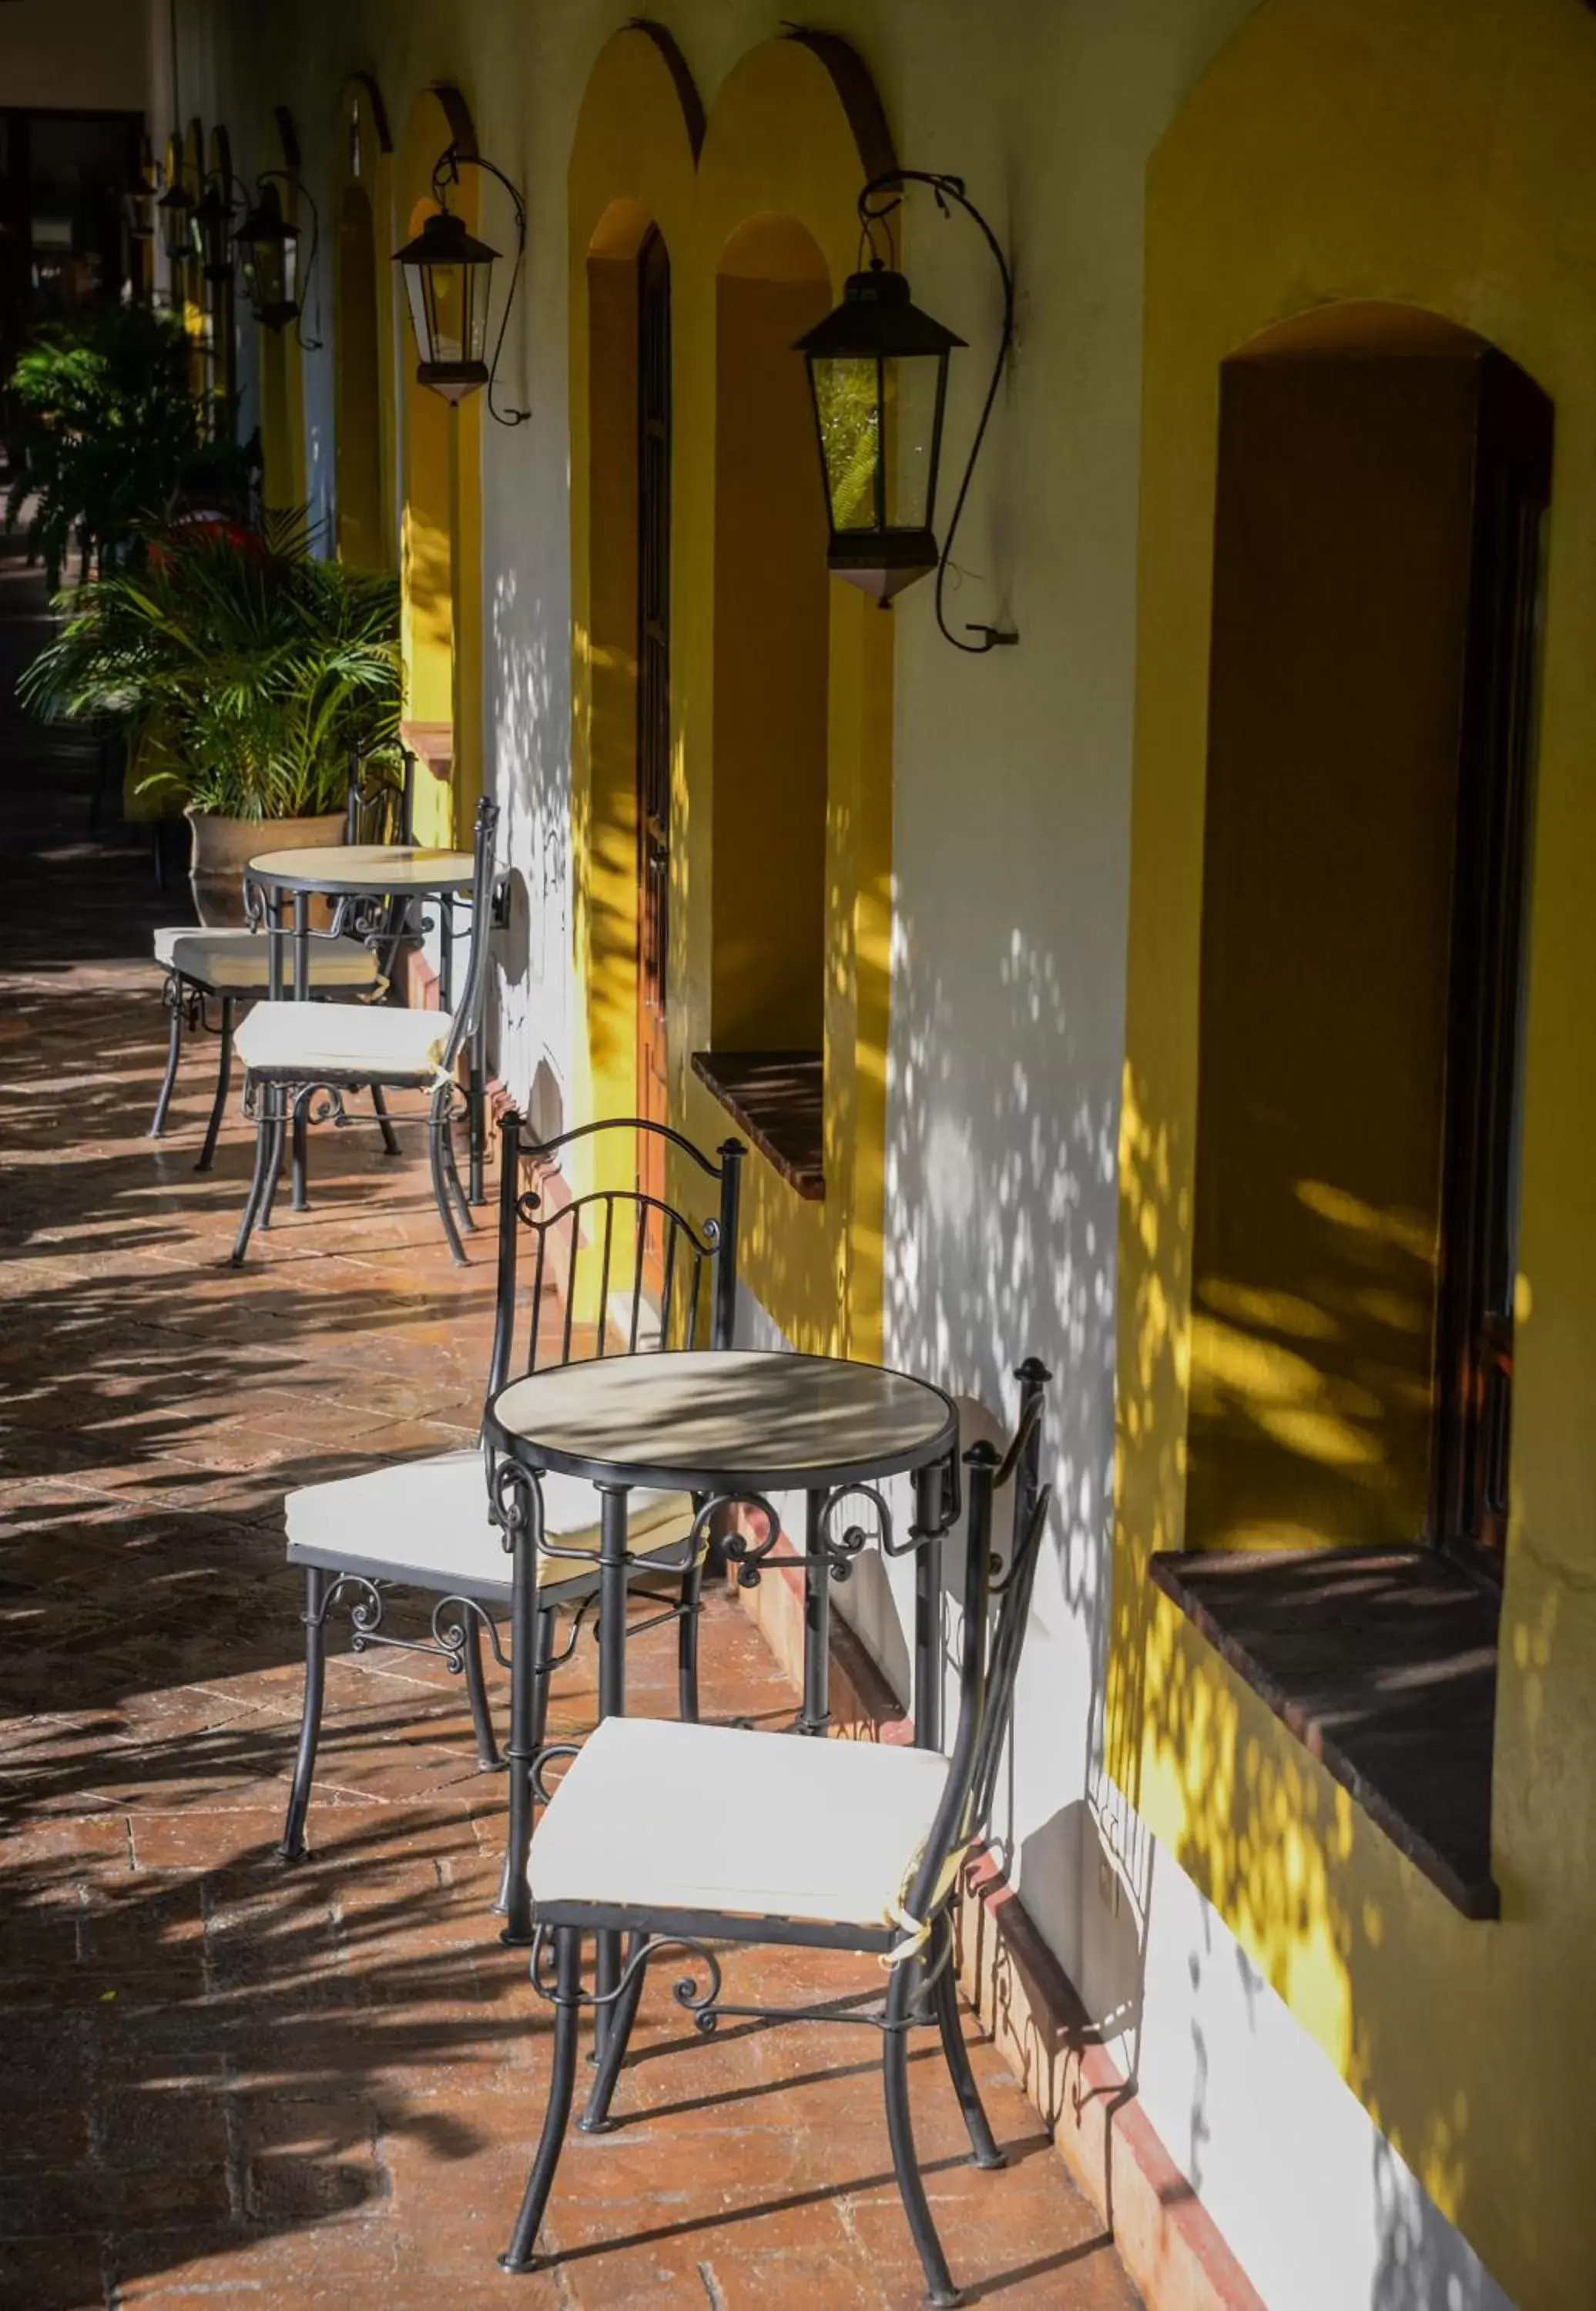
(266, 221)
(443, 240)
(877, 321)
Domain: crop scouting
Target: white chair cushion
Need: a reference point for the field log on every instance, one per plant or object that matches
(304, 1040)
(658, 1815)
(242, 959)
(426, 1522)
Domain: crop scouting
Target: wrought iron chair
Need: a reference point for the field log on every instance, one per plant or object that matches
(429, 1524)
(233, 966)
(837, 1844)
(291, 1051)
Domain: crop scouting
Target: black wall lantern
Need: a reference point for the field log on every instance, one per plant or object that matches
(212, 227)
(449, 277)
(877, 370)
(174, 211)
(268, 246)
(144, 191)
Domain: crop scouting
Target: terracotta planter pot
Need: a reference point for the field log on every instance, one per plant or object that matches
(224, 848)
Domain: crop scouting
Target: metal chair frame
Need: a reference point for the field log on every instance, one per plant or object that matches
(920, 1991)
(374, 811)
(465, 1613)
(283, 1100)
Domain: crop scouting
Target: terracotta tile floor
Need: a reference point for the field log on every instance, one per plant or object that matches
(220, 2078)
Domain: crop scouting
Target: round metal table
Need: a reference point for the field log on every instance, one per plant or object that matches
(729, 1426)
(400, 872)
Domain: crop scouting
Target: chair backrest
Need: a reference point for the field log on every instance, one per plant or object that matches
(631, 1269)
(378, 806)
(990, 1641)
(473, 996)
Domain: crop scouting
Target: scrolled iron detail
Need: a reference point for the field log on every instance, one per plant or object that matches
(700, 2002)
(452, 1636)
(748, 1556)
(842, 1549)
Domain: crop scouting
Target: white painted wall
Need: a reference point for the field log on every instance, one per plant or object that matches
(1012, 796)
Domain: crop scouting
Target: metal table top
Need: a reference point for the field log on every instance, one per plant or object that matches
(354, 867)
(704, 1420)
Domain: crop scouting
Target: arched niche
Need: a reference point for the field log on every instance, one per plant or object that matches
(1338, 155)
(630, 186)
(794, 129)
(773, 651)
(362, 330)
(440, 513)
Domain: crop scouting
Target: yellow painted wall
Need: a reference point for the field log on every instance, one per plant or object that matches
(773, 619)
(778, 144)
(1315, 162)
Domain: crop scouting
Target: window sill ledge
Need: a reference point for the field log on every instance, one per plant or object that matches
(778, 1099)
(1384, 1664)
(433, 746)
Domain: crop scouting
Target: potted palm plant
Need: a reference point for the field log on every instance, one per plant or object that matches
(243, 670)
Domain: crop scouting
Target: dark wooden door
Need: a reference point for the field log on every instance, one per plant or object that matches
(653, 697)
(1478, 1257)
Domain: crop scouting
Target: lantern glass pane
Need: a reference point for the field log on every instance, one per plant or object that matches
(448, 293)
(848, 407)
(418, 283)
(266, 289)
(290, 289)
(474, 326)
(915, 409)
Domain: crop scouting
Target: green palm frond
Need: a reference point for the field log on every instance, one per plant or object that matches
(241, 668)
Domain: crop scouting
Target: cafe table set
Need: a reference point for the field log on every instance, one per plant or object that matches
(629, 1449)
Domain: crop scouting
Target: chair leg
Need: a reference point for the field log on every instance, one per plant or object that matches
(208, 1154)
(301, 1199)
(595, 2118)
(687, 1614)
(451, 1173)
(390, 1138)
(983, 2149)
(174, 1052)
(267, 1149)
(279, 1144)
(568, 1959)
(440, 1187)
(895, 2075)
(292, 1846)
(477, 1693)
(543, 1654)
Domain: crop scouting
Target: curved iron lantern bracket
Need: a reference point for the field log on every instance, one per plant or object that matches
(447, 172)
(878, 201)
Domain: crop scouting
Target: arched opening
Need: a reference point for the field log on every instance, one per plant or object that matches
(440, 518)
(771, 610)
(1383, 480)
(614, 726)
(359, 387)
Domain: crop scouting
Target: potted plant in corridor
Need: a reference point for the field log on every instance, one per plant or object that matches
(243, 671)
